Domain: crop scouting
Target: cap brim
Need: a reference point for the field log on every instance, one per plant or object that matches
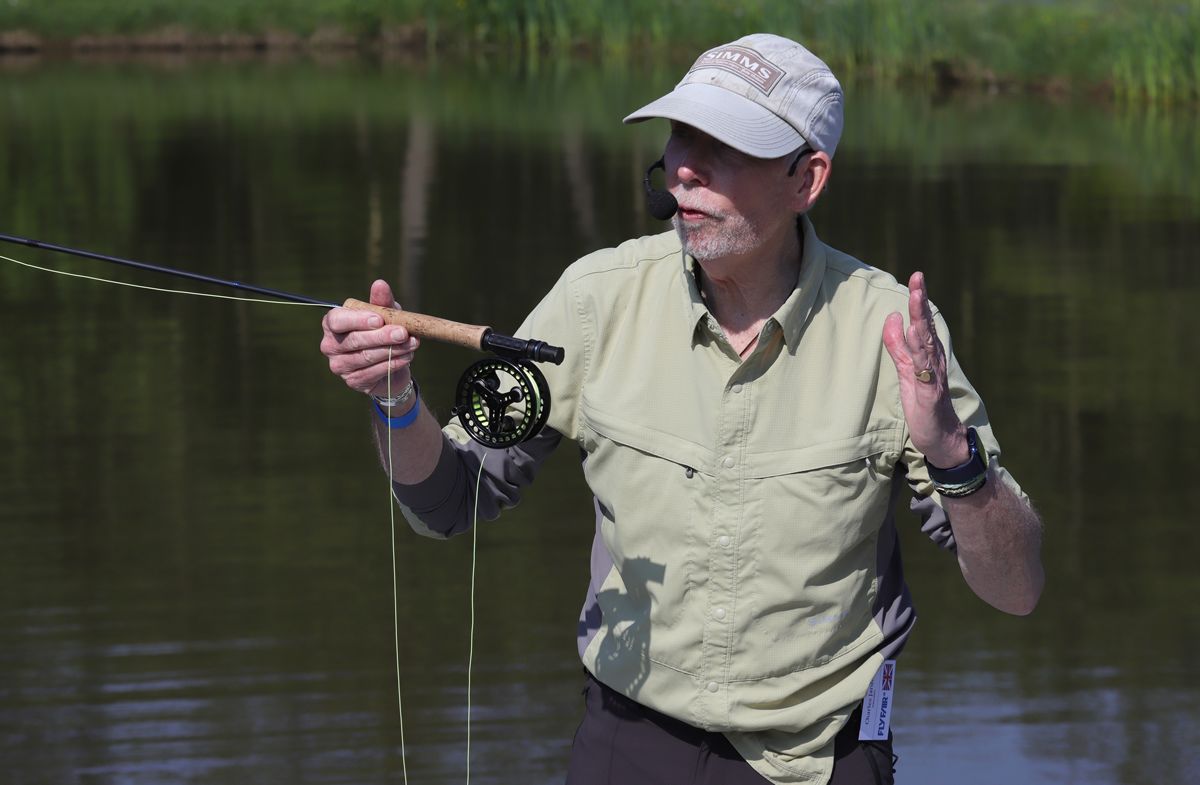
(726, 116)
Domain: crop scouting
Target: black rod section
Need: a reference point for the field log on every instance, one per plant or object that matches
(245, 287)
(507, 346)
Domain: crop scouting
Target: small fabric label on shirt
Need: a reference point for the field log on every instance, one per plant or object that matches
(877, 704)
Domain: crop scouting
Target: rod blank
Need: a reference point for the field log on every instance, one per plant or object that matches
(245, 287)
(471, 336)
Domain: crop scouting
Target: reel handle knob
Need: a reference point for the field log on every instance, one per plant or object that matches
(521, 349)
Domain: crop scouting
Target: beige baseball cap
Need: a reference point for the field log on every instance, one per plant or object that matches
(763, 94)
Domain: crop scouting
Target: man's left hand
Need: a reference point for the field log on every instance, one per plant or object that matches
(920, 359)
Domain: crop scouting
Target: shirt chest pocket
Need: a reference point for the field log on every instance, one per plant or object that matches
(824, 498)
(816, 492)
(875, 452)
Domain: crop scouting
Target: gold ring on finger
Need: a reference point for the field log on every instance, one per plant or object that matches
(925, 375)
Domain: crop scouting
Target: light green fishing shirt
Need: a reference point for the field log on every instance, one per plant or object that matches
(745, 572)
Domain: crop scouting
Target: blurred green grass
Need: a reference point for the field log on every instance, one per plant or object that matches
(1133, 49)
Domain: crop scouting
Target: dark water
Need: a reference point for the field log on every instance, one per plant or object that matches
(194, 578)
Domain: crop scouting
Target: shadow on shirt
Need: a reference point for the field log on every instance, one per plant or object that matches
(623, 659)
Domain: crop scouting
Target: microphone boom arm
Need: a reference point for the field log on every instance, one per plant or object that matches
(660, 204)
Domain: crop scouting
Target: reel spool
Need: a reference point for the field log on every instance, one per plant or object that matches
(502, 402)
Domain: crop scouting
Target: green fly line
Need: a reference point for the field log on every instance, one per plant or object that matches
(391, 504)
(396, 602)
(395, 596)
(157, 288)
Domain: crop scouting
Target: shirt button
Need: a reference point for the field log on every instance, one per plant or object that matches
(713, 686)
(727, 462)
(735, 389)
(719, 613)
(723, 541)
(689, 471)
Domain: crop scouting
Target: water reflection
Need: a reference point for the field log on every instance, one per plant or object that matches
(195, 580)
(419, 160)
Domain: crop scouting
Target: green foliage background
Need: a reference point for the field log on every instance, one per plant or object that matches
(187, 471)
(1132, 48)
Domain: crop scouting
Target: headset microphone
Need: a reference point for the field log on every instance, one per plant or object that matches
(660, 203)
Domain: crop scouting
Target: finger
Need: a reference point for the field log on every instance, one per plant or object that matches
(353, 340)
(368, 379)
(927, 306)
(406, 348)
(358, 363)
(922, 330)
(355, 351)
(916, 306)
(346, 320)
(357, 340)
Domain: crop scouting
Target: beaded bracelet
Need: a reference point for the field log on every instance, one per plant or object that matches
(962, 489)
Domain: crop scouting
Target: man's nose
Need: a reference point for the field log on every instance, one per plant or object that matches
(692, 168)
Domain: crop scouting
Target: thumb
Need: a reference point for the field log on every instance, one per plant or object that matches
(893, 340)
(381, 294)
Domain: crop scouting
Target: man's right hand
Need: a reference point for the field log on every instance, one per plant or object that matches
(358, 345)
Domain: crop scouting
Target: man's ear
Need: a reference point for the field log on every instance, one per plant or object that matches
(813, 175)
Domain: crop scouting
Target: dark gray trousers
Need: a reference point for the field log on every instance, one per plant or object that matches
(621, 742)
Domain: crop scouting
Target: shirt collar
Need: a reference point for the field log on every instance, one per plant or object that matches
(792, 315)
(695, 310)
(794, 312)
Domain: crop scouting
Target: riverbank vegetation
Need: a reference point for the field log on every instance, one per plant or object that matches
(1141, 49)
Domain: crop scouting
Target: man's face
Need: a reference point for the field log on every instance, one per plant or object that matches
(730, 203)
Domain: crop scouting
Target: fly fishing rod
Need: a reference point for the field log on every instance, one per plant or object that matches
(501, 401)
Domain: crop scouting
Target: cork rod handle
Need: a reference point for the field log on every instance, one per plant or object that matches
(469, 336)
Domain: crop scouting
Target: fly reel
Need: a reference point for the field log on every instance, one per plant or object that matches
(502, 402)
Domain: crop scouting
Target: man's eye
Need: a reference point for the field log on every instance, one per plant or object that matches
(728, 153)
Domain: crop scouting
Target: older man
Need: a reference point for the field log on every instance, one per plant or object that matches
(749, 403)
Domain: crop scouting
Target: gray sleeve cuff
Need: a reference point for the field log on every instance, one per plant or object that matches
(934, 522)
(443, 504)
(431, 496)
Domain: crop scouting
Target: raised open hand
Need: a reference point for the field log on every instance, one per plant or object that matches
(920, 359)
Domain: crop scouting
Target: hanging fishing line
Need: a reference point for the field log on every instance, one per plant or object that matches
(392, 501)
(395, 596)
(471, 633)
(159, 288)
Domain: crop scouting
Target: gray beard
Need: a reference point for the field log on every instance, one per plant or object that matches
(718, 237)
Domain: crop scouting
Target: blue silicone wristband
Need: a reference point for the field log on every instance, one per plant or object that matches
(404, 420)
